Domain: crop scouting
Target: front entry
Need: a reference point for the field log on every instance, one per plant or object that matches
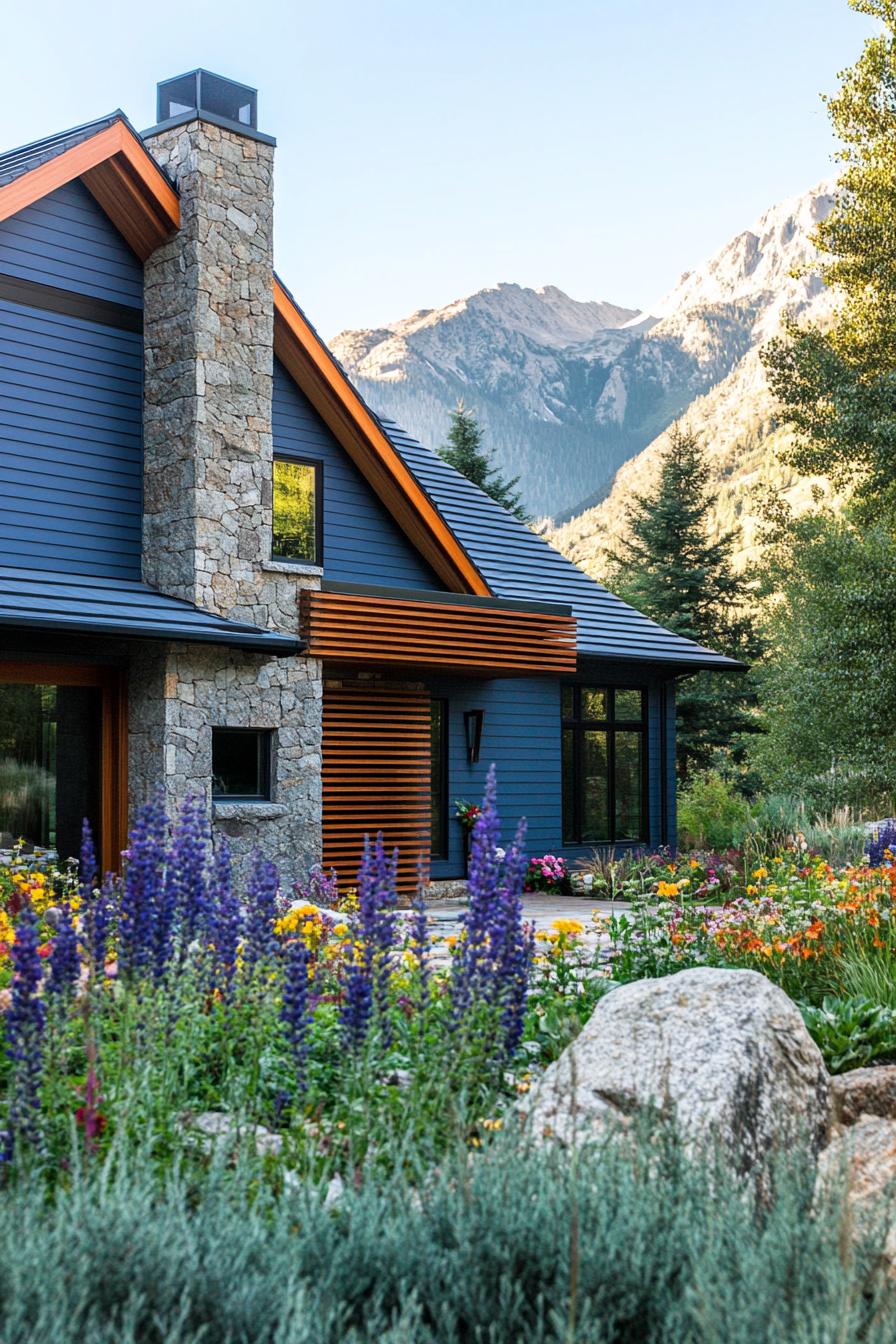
(376, 776)
(62, 758)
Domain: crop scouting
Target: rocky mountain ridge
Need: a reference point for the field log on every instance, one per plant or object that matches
(571, 394)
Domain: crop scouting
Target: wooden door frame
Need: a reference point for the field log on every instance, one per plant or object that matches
(112, 683)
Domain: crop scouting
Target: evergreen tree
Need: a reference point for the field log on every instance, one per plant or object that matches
(837, 386)
(465, 452)
(670, 569)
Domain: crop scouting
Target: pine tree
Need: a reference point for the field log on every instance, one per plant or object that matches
(670, 569)
(464, 451)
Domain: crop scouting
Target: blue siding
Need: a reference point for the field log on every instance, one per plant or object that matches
(67, 241)
(71, 457)
(521, 735)
(362, 543)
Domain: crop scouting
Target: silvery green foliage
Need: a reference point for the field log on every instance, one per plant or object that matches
(666, 1251)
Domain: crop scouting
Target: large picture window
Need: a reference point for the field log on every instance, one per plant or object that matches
(62, 758)
(604, 765)
(298, 511)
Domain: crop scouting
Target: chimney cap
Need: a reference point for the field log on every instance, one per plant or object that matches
(210, 97)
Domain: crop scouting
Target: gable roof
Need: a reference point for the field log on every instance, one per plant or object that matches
(116, 168)
(517, 563)
(474, 545)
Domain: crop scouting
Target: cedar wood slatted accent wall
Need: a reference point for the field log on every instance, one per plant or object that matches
(390, 632)
(376, 776)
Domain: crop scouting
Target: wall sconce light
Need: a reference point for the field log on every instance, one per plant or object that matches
(473, 730)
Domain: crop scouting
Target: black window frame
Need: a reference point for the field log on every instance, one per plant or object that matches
(610, 725)
(265, 738)
(299, 460)
(443, 851)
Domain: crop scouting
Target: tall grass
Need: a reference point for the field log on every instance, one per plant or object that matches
(622, 1244)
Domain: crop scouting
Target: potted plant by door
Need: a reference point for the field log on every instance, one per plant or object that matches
(466, 814)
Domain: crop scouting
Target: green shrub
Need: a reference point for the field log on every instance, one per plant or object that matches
(851, 1032)
(712, 814)
(614, 1246)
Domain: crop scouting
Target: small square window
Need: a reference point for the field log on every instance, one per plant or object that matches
(297, 511)
(241, 764)
(628, 704)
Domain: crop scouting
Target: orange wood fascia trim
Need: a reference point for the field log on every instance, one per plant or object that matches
(126, 154)
(349, 419)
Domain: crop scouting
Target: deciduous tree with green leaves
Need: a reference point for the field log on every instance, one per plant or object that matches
(465, 452)
(671, 569)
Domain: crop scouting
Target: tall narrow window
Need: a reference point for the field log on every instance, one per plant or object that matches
(298, 511)
(604, 765)
(438, 756)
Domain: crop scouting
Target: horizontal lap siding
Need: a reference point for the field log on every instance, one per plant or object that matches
(66, 240)
(521, 735)
(361, 541)
(71, 459)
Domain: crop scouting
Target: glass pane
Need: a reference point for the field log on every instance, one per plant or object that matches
(50, 749)
(569, 787)
(594, 703)
(629, 786)
(567, 702)
(629, 704)
(240, 763)
(295, 511)
(595, 789)
(438, 802)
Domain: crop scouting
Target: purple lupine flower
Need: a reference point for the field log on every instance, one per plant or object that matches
(143, 888)
(261, 912)
(419, 938)
(880, 841)
(25, 1023)
(98, 917)
(225, 915)
(491, 966)
(65, 963)
(87, 862)
(368, 977)
(295, 1012)
(185, 898)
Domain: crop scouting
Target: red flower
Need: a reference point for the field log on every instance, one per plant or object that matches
(45, 949)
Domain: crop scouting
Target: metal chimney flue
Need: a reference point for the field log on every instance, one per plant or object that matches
(211, 97)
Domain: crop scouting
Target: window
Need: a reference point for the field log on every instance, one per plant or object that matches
(241, 764)
(604, 765)
(62, 758)
(438, 824)
(298, 511)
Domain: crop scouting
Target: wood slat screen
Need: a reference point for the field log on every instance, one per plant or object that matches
(395, 632)
(376, 776)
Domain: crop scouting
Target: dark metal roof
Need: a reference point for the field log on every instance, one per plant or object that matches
(15, 162)
(36, 600)
(516, 563)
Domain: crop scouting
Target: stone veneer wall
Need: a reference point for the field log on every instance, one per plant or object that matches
(208, 489)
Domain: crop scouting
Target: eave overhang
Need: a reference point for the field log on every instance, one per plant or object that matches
(476, 636)
(36, 601)
(342, 409)
(119, 172)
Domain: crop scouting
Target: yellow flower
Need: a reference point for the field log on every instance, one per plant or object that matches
(492, 1125)
(760, 872)
(667, 888)
(751, 890)
(340, 930)
(570, 926)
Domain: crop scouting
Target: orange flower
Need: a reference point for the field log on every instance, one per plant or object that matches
(815, 929)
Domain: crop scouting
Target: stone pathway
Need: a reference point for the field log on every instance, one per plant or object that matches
(538, 909)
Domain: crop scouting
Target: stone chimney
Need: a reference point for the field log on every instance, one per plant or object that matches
(208, 341)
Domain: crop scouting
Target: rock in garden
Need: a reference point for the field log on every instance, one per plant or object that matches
(724, 1053)
(864, 1155)
(864, 1092)
(219, 1129)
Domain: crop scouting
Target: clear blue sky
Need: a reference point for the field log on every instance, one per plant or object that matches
(429, 149)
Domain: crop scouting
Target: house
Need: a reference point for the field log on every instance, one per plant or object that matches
(220, 572)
